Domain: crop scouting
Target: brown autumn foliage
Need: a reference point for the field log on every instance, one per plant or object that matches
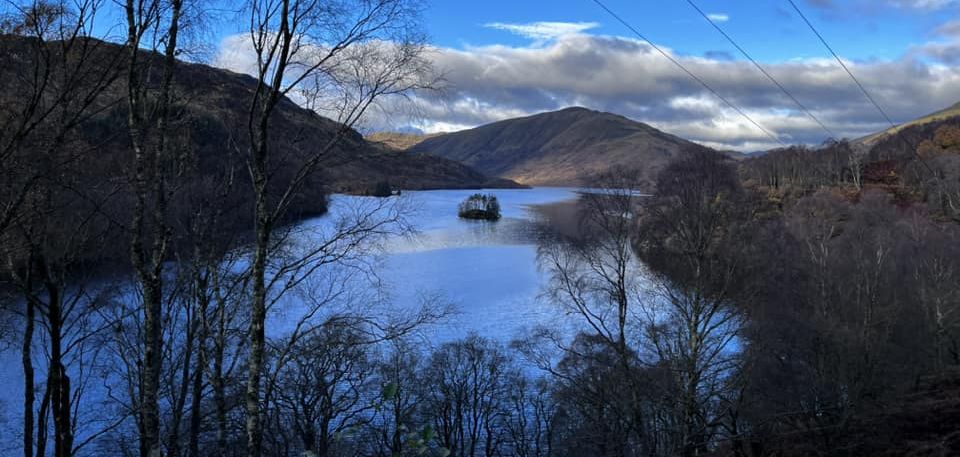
(946, 141)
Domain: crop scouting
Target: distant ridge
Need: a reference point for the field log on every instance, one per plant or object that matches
(565, 147)
(399, 141)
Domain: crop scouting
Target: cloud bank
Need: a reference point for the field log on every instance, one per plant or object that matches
(564, 66)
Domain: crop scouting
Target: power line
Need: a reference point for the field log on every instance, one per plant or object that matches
(688, 72)
(762, 70)
(825, 44)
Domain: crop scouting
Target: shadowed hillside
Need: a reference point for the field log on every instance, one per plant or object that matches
(211, 123)
(209, 131)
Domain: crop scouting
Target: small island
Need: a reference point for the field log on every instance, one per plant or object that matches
(481, 207)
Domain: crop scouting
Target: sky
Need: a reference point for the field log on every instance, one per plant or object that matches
(510, 58)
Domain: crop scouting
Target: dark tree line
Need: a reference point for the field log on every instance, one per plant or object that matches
(917, 164)
(833, 163)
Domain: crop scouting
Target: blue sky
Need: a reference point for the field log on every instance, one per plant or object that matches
(509, 58)
(768, 29)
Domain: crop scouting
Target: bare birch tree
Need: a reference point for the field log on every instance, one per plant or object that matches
(148, 120)
(62, 71)
(598, 278)
(692, 324)
(341, 58)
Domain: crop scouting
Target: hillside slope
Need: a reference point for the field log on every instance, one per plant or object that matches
(210, 124)
(951, 112)
(902, 141)
(566, 147)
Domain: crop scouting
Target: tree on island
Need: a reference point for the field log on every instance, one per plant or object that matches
(382, 189)
(480, 206)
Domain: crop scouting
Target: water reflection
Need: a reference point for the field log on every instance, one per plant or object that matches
(488, 270)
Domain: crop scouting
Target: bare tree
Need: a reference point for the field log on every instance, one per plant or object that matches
(855, 164)
(685, 232)
(465, 384)
(153, 162)
(597, 276)
(529, 423)
(61, 73)
(322, 390)
(938, 171)
(342, 59)
(44, 265)
(595, 408)
(397, 418)
(934, 269)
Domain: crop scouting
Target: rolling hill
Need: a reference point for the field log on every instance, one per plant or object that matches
(566, 147)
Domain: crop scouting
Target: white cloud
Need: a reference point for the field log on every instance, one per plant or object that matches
(440, 126)
(544, 31)
(924, 4)
(947, 49)
(236, 54)
(625, 76)
(719, 17)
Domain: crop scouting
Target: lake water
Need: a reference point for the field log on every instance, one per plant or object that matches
(487, 270)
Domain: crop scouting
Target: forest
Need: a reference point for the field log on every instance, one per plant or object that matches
(801, 302)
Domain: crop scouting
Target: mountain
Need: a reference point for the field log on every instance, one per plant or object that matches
(566, 147)
(211, 107)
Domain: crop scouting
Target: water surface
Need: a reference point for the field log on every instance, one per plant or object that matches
(487, 270)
